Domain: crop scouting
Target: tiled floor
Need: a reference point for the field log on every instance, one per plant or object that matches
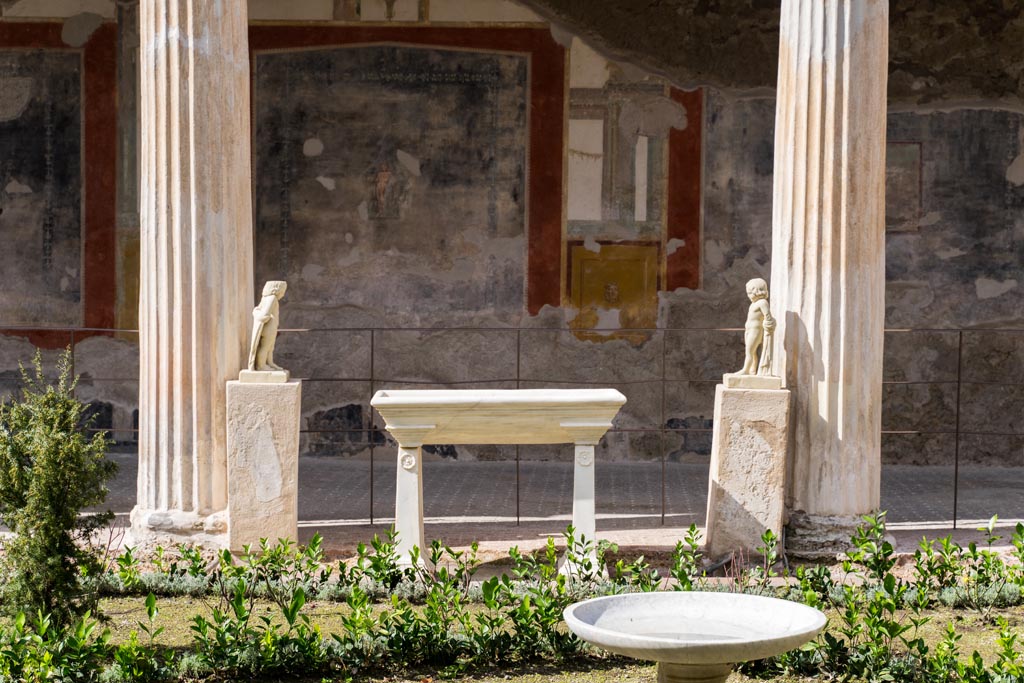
(347, 501)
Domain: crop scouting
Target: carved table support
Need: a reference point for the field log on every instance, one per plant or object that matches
(409, 493)
(585, 436)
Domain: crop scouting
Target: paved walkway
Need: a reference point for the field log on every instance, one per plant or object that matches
(348, 501)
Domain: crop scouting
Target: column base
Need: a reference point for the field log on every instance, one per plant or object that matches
(819, 537)
(169, 527)
(693, 673)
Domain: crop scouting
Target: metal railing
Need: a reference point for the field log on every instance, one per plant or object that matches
(666, 421)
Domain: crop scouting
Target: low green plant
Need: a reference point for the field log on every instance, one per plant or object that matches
(985, 574)
(382, 565)
(50, 470)
(128, 569)
(637, 575)
(871, 550)
(42, 651)
(143, 661)
(687, 561)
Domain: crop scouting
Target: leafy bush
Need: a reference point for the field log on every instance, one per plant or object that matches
(39, 651)
(50, 469)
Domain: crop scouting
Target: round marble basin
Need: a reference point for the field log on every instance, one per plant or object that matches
(693, 635)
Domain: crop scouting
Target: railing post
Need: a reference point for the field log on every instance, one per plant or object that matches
(956, 436)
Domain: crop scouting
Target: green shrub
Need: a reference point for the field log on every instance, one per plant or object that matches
(39, 652)
(50, 469)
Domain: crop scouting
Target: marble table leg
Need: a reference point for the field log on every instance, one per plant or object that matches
(409, 503)
(584, 516)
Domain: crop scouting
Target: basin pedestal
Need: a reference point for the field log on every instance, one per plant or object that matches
(693, 673)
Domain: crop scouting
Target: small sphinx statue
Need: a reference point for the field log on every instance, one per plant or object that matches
(266, 320)
(758, 334)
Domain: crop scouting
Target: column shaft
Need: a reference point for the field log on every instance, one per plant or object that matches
(196, 256)
(828, 255)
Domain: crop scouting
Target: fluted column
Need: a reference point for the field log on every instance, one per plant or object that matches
(828, 259)
(196, 258)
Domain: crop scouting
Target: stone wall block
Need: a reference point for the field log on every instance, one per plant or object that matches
(108, 358)
(115, 405)
(991, 408)
(629, 447)
(993, 356)
(324, 354)
(992, 450)
(919, 407)
(15, 351)
(445, 356)
(702, 354)
(334, 415)
(690, 405)
(559, 356)
(919, 449)
(919, 356)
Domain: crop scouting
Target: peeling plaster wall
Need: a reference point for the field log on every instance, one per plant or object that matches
(954, 248)
(938, 49)
(958, 264)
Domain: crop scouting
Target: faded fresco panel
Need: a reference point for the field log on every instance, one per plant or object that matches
(902, 186)
(40, 187)
(390, 183)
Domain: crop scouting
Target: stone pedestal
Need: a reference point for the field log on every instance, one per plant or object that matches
(747, 483)
(263, 461)
(828, 260)
(196, 272)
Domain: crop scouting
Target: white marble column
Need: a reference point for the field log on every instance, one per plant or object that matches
(828, 259)
(196, 259)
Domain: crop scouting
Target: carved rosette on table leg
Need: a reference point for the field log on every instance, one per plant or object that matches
(828, 259)
(196, 261)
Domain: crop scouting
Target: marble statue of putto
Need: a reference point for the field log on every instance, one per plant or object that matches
(266, 319)
(757, 332)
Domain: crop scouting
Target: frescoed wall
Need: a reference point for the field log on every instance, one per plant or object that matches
(392, 178)
(469, 164)
(41, 187)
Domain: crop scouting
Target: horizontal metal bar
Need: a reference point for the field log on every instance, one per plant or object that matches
(985, 330)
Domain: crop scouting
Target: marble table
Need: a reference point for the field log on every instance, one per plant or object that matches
(490, 416)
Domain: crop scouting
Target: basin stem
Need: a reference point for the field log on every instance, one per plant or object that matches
(693, 673)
